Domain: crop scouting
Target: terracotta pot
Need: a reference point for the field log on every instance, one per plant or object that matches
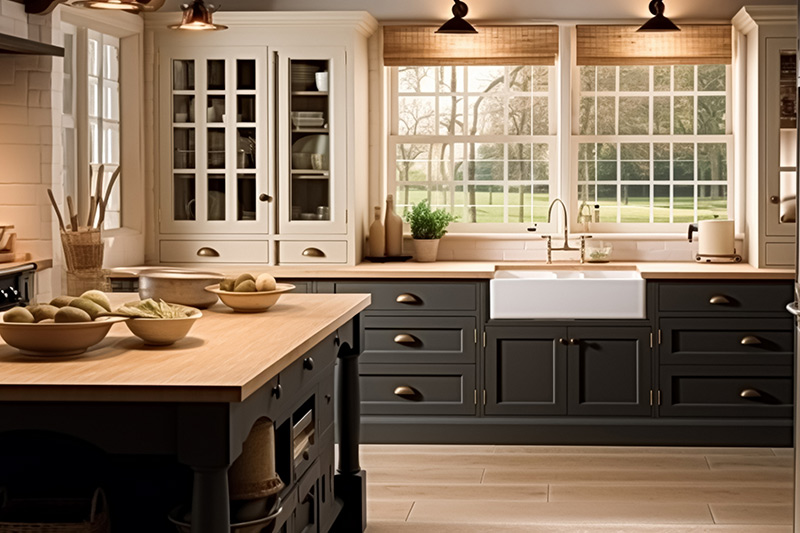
(425, 250)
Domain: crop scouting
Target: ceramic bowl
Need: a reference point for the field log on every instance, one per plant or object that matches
(56, 339)
(162, 331)
(179, 286)
(250, 302)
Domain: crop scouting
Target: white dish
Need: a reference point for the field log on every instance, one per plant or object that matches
(311, 144)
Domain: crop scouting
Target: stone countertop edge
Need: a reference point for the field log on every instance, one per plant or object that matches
(487, 269)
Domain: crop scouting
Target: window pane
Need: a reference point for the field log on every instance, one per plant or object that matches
(661, 115)
(587, 116)
(684, 115)
(417, 115)
(110, 62)
(519, 79)
(606, 78)
(712, 161)
(712, 202)
(540, 79)
(662, 78)
(485, 115)
(711, 77)
(683, 203)
(711, 115)
(635, 206)
(484, 79)
(519, 115)
(451, 116)
(94, 97)
(588, 77)
(93, 58)
(486, 161)
(634, 115)
(661, 202)
(416, 79)
(634, 78)
(110, 100)
(684, 77)
(451, 79)
(606, 115)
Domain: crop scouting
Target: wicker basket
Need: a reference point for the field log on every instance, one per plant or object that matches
(86, 280)
(83, 250)
(55, 515)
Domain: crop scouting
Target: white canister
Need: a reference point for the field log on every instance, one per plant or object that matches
(322, 81)
(716, 237)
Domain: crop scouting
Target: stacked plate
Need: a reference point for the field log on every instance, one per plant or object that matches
(303, 76)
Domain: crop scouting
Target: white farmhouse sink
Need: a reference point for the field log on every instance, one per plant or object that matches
(566, 294)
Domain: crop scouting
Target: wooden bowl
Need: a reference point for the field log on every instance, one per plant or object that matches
(162, 331)
(53, 339)
(250, 302)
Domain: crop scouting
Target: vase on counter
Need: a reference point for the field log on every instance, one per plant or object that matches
(377, 236)
(394, 230)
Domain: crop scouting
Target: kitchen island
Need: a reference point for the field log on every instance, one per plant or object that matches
(198, 399)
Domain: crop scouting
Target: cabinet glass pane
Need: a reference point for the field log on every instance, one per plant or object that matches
(246, 108)
(310, 197)
(246, 197)
(216, 74)
(215, 110)
(246, 148)
(184, 148)
(184, 197)
(788, 89)
(183, 108)
(245, 74)
(216, 197)
(183, 75)
(216, 148)
(788, 136)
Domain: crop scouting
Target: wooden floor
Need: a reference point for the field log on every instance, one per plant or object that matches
(562, 489)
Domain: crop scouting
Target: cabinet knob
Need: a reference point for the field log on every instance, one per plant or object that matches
(205, 251)
(563, 341)
(750, 393)
(404, 338)
(774, 199)
(405, 391)
(306, 455)
(574, 342)
(407, 299)
(313, 252)
(719, 300)
(277, 390)
(265, 197)
(308, 363)
(750, 340)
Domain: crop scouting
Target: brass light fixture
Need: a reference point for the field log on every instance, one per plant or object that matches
(131, 6)
(659, 23)
(197, 17)
(457, 24)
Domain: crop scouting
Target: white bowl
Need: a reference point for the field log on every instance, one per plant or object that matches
(56, 339)
(162, 331)
(250, 302)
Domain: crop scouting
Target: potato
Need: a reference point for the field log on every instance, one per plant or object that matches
(227, 284)
(61, 301)
(246, 286)
(47, 321)
(89, 306)
(242, 278)
(42, 311)
(18, 314)
(99, 298)
(72, 314)
(265, 282)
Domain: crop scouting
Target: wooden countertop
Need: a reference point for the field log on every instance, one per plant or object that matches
(226, 356)
(486, 270)
(38, 264)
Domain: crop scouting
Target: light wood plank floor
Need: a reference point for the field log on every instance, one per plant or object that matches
(564, 489)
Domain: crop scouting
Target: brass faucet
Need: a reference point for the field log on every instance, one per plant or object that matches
(565, 246)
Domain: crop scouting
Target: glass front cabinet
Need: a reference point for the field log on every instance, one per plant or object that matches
(213, 123)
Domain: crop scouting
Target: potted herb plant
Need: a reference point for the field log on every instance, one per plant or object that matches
(427, 227)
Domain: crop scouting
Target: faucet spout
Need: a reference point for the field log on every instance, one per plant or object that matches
(566, 245)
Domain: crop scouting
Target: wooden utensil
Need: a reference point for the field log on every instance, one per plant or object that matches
(73, 217)
(56, 209)
(94, 201)
(104, 202)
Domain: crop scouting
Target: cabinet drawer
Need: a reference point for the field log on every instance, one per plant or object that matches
(735, 391)
(736, 341)
(310, 366)
(416, 296)
(724, 297)
(417, 389)
(312, 252)
(214, 251)
(419, 340)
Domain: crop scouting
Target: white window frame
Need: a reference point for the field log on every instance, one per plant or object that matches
(552, 140)
(125, 245)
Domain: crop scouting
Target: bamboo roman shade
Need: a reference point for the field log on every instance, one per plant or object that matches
(492, 45)
(695, 44)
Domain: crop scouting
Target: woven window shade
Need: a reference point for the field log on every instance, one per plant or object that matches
(407, 46)
(695, 44)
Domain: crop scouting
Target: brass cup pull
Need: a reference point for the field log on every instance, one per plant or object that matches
(407, 299)
(750, 393)
(205, 251)
(405, 391)
(313, 252)
(719, 300)
(404, 338)
(750, 340)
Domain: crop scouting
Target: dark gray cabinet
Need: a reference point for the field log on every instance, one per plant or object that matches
(568, 371)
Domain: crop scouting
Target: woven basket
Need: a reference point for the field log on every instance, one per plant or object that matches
(83, 250)
(55, 515)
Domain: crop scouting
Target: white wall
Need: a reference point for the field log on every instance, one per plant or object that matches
(501, 10)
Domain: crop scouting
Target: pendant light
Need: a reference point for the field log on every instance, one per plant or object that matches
(659, 22)
(131, 6)
(457, 24)
(197, 17)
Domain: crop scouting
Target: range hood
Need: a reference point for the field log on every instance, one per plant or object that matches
(17, 45)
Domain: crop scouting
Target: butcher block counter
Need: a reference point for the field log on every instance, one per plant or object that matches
(194, 404)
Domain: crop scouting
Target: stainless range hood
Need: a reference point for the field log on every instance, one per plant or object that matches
(17, 45)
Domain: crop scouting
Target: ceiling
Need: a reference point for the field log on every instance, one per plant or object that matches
(501, 10)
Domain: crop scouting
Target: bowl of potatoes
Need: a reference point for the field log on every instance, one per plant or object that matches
(66, 326)
(249, 294)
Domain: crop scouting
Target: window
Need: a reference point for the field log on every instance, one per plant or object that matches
(652, 144)
(478, 140)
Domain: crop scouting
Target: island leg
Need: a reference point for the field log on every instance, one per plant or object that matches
(350, 482)
(210, 505)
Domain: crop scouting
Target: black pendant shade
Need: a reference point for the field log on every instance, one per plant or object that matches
(197, 17)
(659, 22)
(457, 24)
